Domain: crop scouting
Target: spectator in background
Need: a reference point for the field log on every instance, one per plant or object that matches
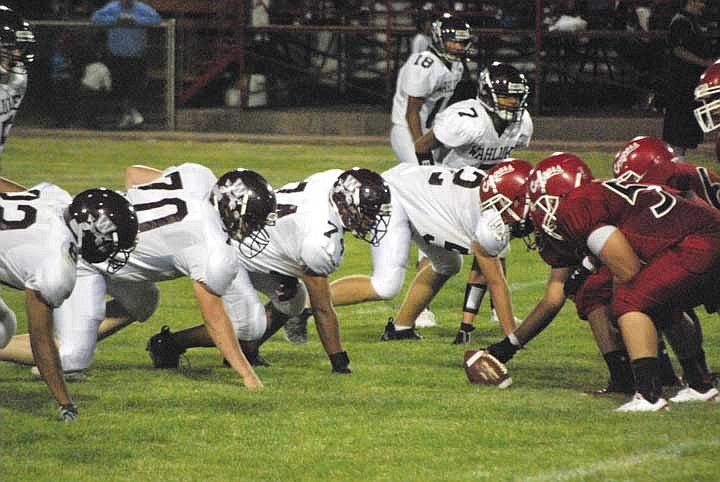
(95, 86)
(689, 56)
(127, 41)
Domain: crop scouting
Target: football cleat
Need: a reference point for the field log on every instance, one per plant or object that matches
(688, 394)
(612, 388)
(164, 350)
(391, 334)
(296, 328)
(461, 338)
(638, 403)
(426, 319)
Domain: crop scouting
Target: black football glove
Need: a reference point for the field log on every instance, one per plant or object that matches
(425, 159)
(576, 280)
(68, 412)
(340, 362)
(503, 350)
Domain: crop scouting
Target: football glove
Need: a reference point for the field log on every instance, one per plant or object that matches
(576, 280)
(340, 362)
(68, 412)
(503, 350)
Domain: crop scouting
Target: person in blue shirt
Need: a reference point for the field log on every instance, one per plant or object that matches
(127, 41)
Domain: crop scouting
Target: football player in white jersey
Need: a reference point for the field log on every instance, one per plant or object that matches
(425, 83)
(40, 230)
(481, 132)
(306, 244)
(184, 231)
(17, 43)
(448, 215)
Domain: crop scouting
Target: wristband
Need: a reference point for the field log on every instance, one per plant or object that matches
(340, 362)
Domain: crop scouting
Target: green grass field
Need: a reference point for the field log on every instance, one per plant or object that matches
(406, 413)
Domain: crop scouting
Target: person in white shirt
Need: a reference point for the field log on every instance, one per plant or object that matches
(448, 214)
(43, 232)
(425, 83)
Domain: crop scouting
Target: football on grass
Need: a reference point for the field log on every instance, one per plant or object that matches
(482, 368)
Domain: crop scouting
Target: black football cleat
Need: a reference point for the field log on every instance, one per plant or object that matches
(391, 334)
(613, 388)
(164, 350)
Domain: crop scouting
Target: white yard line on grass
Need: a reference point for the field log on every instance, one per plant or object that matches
(611, 466)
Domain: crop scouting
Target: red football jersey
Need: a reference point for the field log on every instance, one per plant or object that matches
(651, 217)
(687, 177)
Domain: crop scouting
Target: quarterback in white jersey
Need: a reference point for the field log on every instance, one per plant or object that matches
(306, 243)
(40, 230)
(425, 84)
(16, 53)
(483, 131)
(182, 234)
(440, 210)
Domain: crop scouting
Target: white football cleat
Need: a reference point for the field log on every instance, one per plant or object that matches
(494, 318)
(639, 404)
(426, 319)
(688, 394)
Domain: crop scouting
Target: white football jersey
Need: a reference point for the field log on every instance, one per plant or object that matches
(426, 76)
(443, 206)
(179, 233)
(467, 129)
(11, 96)
(37, 249)
(308, 234)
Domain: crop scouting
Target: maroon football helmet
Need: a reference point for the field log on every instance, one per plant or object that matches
(505, 190)
(640, 155)
(707, 93)
(551, 180)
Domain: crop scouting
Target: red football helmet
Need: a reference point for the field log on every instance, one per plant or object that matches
(640, 155)
(551, 180)
(505, 190)
(707, 92)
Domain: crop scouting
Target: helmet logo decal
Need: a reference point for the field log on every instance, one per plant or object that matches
(623, 157)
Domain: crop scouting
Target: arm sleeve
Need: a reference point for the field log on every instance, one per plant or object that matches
(213, 266)
(108, 15)
(453, 130)
(321, 255)
(145, 15)
(491, 233)
(680, 30)
(55, 279)
(418, 81)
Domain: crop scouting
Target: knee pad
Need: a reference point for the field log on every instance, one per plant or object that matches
(8, 324)
(291, 306)
(139, 299)
(388, 286)
(448, 266)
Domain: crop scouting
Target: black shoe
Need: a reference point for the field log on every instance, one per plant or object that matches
(613, 388)
(164, 350)
(253, 357)
(391, 334)
(463, 335)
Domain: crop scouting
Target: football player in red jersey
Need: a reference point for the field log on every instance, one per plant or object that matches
(606, 211)
(651, 161)
(661, 249)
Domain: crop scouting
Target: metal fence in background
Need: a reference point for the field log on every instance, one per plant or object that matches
(63, 51)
